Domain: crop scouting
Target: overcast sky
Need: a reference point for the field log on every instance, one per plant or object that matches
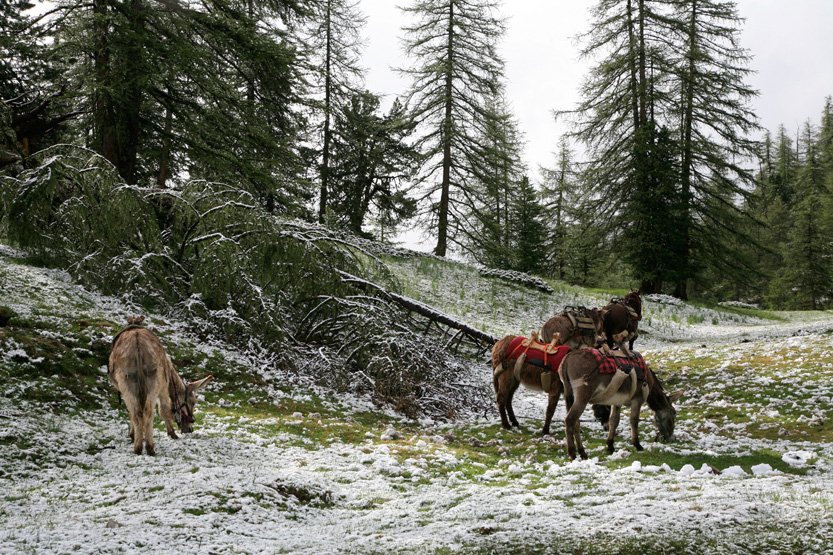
(791, 44)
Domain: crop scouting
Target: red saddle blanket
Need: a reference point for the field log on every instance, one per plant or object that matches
(537, 353)
(609, 365)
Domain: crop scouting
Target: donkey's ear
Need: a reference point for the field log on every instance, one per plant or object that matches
(199, 384)
(675, 396)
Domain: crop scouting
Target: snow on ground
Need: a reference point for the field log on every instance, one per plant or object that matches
(70, 483)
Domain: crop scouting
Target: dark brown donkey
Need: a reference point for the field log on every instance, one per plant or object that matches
(144, 375)
(517, 360)
(620, 319)
(584, 383)
(574, 327)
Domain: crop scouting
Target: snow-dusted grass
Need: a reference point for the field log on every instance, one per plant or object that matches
(276, 466)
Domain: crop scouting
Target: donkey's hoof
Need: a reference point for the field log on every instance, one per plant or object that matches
(583, 455)
(639, 447)
(151, 451)
(173, 435)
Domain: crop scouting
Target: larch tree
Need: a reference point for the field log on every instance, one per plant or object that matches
(716, 124)
(672, 66)
(455, 71)
(335, 44)
(560, 197)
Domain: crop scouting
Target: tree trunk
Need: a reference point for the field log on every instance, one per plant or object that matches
(686, 158)
(442, 217)
(105, 139)
(166, 150)
(325, 154)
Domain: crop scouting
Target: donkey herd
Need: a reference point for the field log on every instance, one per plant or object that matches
(583, 354)
(577, 356)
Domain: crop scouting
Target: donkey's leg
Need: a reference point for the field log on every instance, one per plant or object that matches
(555, 393)
(165, 413)
(509, 410)
(136, 422)
(635, 407)
(615, 413)
(147, 426)
(573, 430)
(502, 385)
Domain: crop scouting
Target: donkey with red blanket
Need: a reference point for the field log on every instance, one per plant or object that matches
(517, 360)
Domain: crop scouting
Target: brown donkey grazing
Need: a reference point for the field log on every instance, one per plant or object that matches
(517, 360)
(620, 319)
(584, 383)
(144, 375)
(574, 327)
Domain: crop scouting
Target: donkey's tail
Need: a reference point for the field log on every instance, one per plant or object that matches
(500, 362)
(141, 375)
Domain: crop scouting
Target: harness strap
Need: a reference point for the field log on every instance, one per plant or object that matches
(599, 398)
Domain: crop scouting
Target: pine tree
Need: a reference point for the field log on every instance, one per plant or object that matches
(456, 70)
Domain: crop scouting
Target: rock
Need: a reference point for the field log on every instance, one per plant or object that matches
(391, 435)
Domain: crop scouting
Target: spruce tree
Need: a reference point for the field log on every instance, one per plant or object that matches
(373, 164)
(490, 199)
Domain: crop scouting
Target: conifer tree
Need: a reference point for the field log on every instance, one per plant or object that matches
(528, 229)
(664, 65)
(335, 40)
(561, 198)
(496, 172)
(206, 89)
(373, 163)
(456, 70)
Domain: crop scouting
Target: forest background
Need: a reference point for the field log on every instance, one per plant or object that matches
(225, 159)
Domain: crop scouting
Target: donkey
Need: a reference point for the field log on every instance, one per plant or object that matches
(620, 319)
(145, 376)
(584, 383)
(574, 327)
(517, 360)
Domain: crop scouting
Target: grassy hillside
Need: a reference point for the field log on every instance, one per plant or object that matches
(277, 465)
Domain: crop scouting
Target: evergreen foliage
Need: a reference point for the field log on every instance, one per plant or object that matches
(208, 252)
(335, 42)
(652, 54)
(456, 71)
(372, 166)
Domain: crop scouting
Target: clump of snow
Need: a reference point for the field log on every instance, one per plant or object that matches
(798, 458)
(740, 304)
(763, 469)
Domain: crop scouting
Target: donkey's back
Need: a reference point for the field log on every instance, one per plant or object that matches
(140, 369)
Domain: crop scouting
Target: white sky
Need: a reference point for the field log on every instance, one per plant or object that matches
(790, 42)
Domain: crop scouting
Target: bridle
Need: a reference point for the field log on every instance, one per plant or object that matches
(180, 411)
(662, 422)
